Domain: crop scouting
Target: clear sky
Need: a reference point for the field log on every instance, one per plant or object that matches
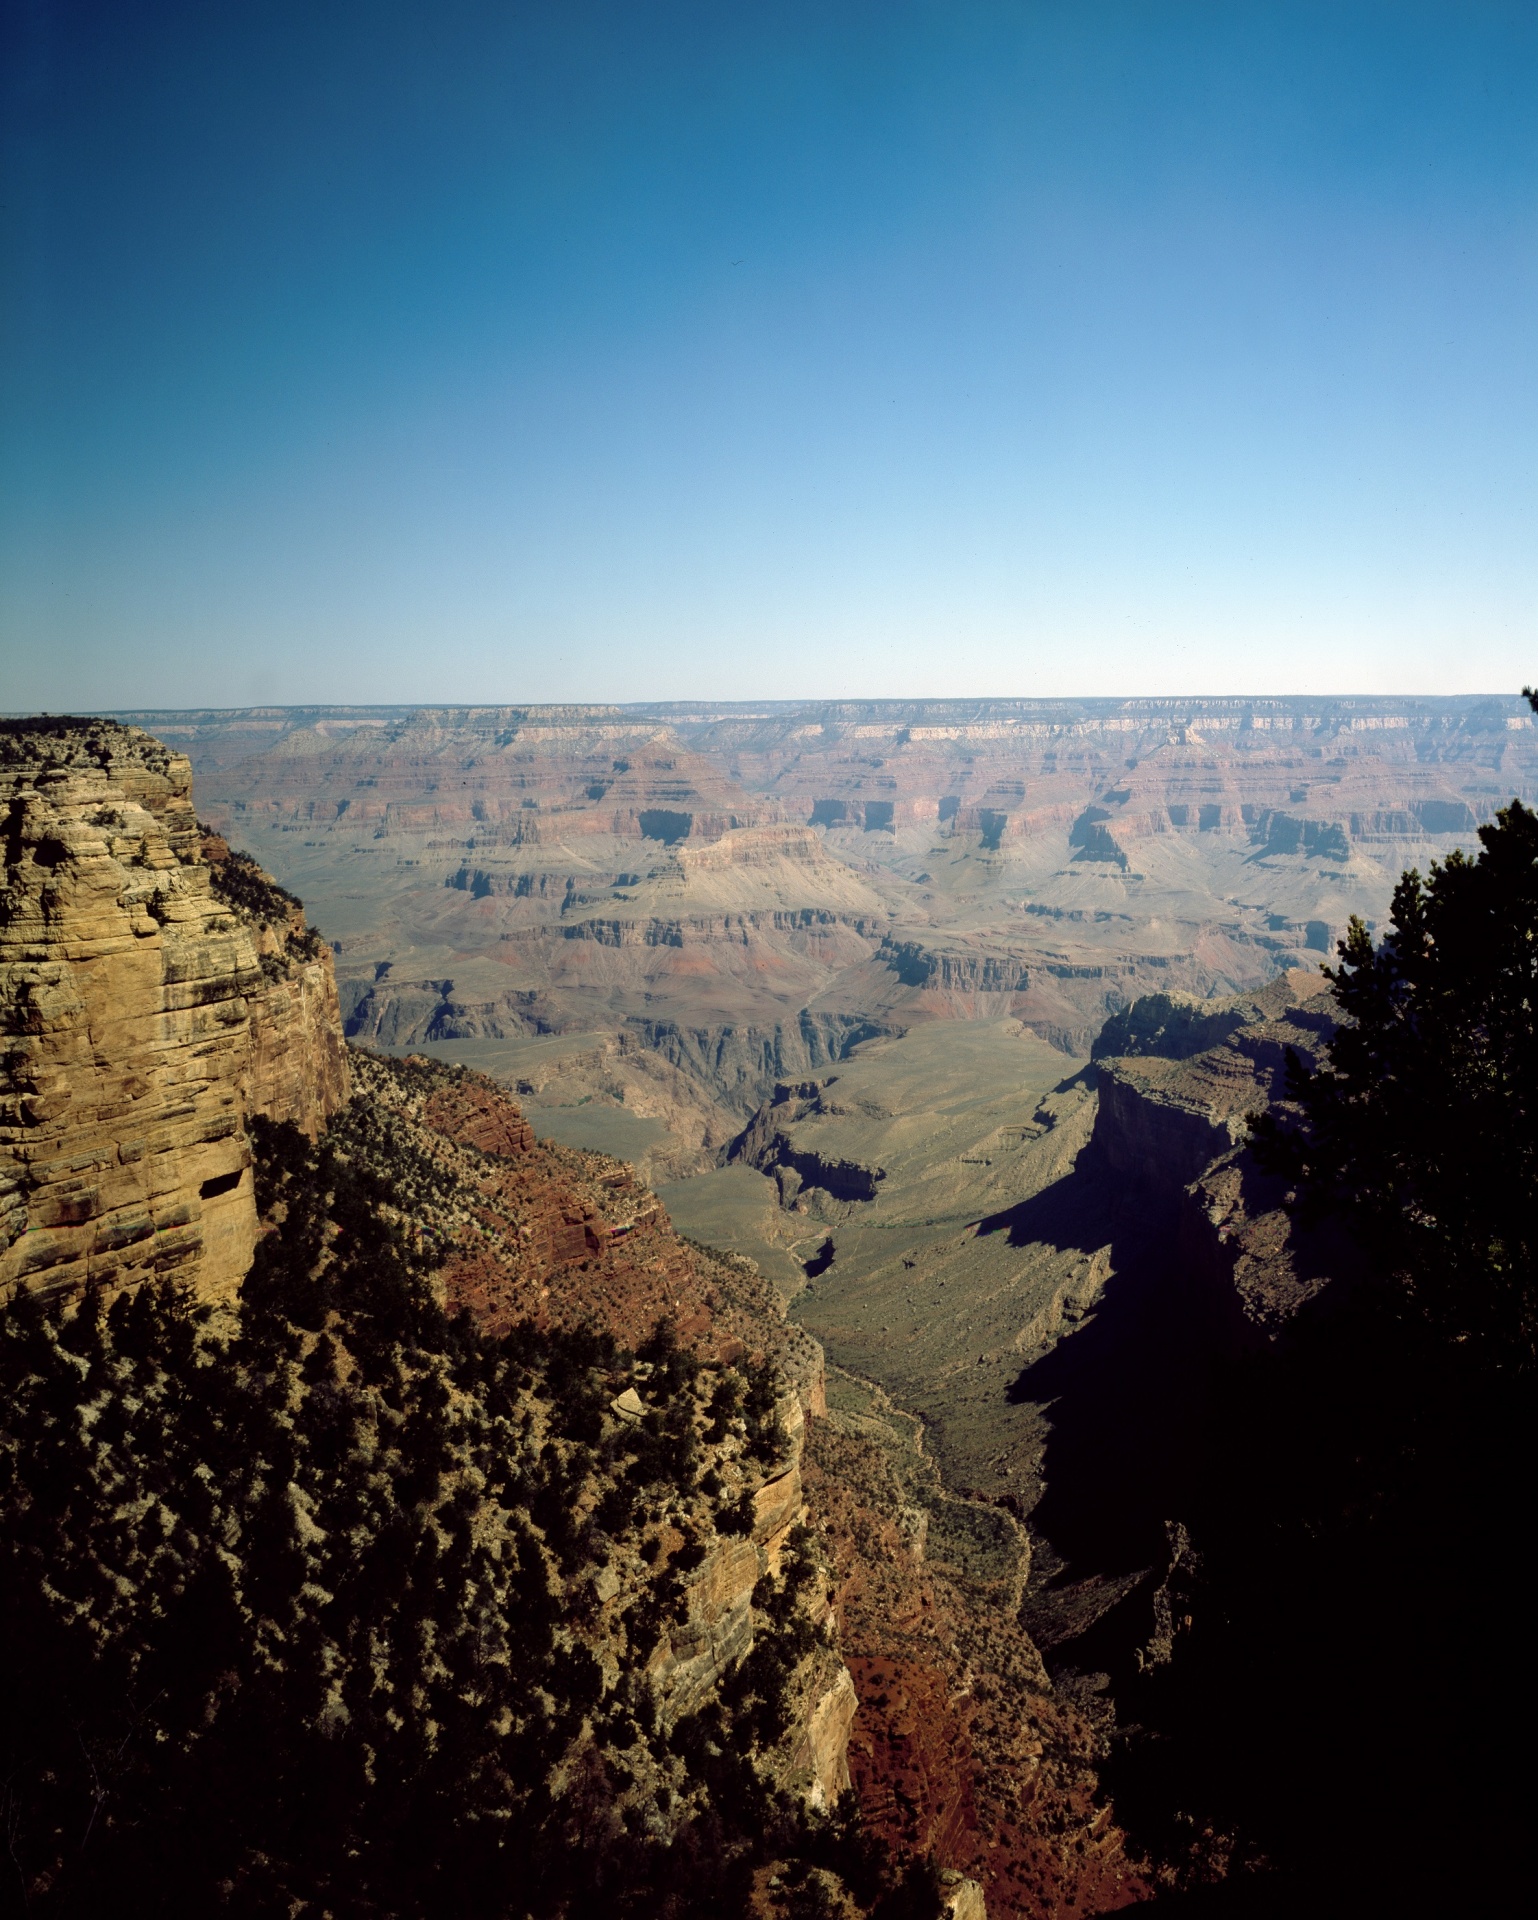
(457, 351)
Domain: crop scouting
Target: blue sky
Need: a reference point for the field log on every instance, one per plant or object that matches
(500, 352)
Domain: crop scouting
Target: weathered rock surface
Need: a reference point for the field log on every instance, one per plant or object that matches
(960, 1747)
(1171, 1126)
(144, 1018)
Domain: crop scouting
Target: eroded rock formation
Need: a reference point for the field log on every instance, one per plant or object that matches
(151, 1000)
(536, 1232)
(961, 1746)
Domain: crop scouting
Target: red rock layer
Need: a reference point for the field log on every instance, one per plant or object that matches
(566, 1238)
(959, 1747)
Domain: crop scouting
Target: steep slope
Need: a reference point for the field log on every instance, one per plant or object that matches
(431, 1488)
(961, 1744)
(1171, 1128)
(492, 1623)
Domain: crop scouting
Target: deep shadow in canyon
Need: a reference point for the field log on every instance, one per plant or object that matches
(1120, 1393)
(1298, 1576)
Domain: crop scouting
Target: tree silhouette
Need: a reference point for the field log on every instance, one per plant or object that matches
(1421, 1128)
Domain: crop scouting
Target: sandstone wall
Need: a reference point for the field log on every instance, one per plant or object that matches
(142, 1021)
(298, 1059)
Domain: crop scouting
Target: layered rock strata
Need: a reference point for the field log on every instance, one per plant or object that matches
(711, 880)
(146, 1013)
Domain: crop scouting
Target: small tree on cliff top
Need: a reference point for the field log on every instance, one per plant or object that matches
(1421, 1128)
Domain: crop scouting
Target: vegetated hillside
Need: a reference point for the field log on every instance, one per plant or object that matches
(462, 1560)
(961, 1745)
(335, 1602)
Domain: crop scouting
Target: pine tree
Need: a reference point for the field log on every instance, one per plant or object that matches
(1422, 1128)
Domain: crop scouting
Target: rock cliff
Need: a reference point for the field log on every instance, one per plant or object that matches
(155, 992)
(1171, 1128)
(960, 1747)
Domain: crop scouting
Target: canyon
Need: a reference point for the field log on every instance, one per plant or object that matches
(906, 1050)
(831, 974)
(744, 894)
(165, 1002)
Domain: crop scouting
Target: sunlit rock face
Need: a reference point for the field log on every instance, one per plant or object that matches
(535, 1233)
(144, 1016)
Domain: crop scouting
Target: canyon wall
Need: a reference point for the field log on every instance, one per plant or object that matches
(145, 1015)
(531, 1232)
(704, 876)
(1171, 1130)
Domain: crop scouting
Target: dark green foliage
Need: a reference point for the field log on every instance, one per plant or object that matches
(1343, 1717)
(1357, 1660)
(239, 883)
(760, 1409)
(1422, 1128)
(836, 1843)
(674, 1368)
(736, 1516)
(725, 1402)
(61, 739)
(665, 1447)
(256, 1627)
(757, 1692)
(287, 1605)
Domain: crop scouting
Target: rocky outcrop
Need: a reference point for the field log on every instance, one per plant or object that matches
(1160, 1122)
(765, 1144)
(146, 1012)
(960, 1747)
(1171, 1130)
(1243, 1249)
(717, 1631)
(961, 1898)
(746, 1062)
(955, 969)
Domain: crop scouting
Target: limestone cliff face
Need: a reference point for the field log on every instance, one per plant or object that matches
(145, 1015)
(298, 1058)
(718, 1629)
(1160, 1122)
